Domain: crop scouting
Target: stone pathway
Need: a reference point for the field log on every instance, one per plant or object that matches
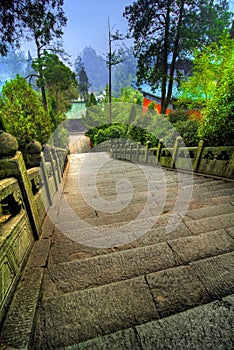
(131, 257)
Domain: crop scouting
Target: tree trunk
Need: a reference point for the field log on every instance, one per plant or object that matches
(175, 55)
(41, 77)
(165, 63)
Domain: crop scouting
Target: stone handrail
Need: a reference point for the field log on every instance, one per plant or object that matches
(214, 161)
(26, 193)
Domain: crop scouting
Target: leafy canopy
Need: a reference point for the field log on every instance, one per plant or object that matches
(22, 114)
(217, 128)
(208, 67)
(40, 20)
(165, 31)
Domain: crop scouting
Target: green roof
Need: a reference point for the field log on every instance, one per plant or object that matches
(77, 110)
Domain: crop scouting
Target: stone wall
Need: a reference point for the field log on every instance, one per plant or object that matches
(215, 161)
(26, 193)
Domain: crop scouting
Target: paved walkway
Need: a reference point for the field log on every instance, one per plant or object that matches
(131, 257)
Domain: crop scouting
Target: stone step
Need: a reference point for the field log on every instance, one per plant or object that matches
(208, 211)
(75, 317)
(108, 268)
(78, 274)
(209, 326)
(149, 230)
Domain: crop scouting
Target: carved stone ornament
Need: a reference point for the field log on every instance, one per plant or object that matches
(8, 145)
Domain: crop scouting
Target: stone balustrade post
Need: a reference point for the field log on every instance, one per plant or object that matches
(147, 146)
(57, 162)
(198, 156)
(12, 165)
(46, 179)
(34, 154)
(159, 151)
(130, 151)
(138, 151)
(177, 144)
(49, 158)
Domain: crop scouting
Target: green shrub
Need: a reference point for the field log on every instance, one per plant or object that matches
(22, 113)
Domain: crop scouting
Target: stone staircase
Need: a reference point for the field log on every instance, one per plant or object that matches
(119, 276)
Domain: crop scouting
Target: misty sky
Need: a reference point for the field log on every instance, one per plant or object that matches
(88, 24)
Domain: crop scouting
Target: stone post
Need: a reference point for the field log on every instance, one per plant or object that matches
(34, 154)
(147, 146)
(49, 158)
(138, 149)
(130, 152)
(177, 144)
(12, 165)
(198, 156)
(46, 180)
(56, 158)
(159, 151)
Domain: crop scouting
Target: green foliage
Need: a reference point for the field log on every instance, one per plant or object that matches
(189, 131)
(95, 68)
(217, 128)
(178, 115)
(57, 76)
(125, 72)
(60, 83)
(114, 131)
(10, 12)
(91, 101)
(186, 126)
(82, 78)
(208, 67)
(165, 31)
(129, 95)
(41, 20)
(59, 137)
(22, 113)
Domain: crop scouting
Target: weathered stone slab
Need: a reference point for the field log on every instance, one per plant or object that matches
(208, 244)
(212, 194)
(159, 234)
(39, 254)
(76, 317)
(229, 300)
(123, 340)
(215, 184)
(175, 290)
(205, 327)
(230, 231)
(216, 274)
(208, 211)
(207, 225)
(100, 270)
(18, 326)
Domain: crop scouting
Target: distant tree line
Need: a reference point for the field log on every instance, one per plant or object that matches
(95, 67)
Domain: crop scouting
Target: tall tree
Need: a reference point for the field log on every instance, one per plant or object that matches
(125, 72)
(43, 21)
(59, 81)
(82, 78)
(165, 31)
(83, 84)
(11, 12)
(95, 68)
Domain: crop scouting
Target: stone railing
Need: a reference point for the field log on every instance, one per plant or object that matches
(215, 161)
(26, 193)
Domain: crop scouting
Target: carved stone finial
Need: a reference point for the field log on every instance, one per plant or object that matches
(34, 147)
(8, 145)
(34, 154)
